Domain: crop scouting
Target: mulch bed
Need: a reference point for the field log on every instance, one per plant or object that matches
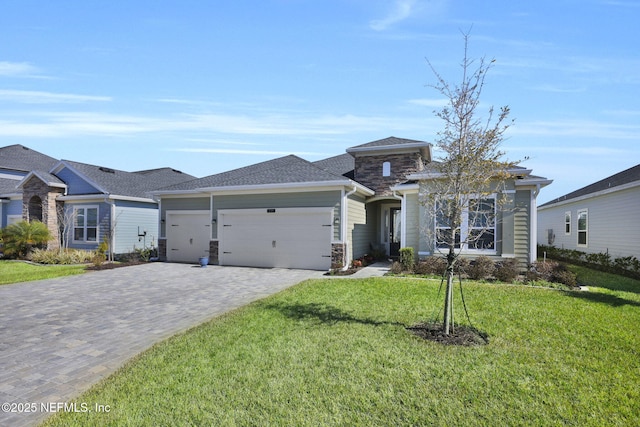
(112, 265)
(460, 335)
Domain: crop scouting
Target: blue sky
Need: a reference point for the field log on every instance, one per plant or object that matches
(207, 86)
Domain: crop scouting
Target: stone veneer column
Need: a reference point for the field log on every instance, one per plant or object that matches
(337, 255)
(48, 196)
(214, 252)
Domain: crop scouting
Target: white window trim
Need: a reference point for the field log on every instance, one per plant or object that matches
(464, 230)
(386, 169)
(567, 215)
(73, 227)
(586, 230)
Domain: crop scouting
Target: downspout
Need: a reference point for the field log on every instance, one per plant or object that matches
(343, 225)
(403, 218)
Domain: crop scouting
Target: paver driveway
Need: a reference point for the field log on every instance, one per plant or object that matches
(60, 336)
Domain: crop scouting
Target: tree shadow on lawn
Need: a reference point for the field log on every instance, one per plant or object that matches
(327, 314)
(323, 313)
(612, 300)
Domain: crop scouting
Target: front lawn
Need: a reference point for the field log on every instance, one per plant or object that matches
(336, 352)
(20, 271)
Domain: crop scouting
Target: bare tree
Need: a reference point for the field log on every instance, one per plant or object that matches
(464, 190)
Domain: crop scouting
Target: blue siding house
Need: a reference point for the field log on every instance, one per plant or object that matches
(82, 204)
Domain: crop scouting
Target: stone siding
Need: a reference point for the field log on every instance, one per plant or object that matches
(48, 195)
(337, 255)
(368, 170)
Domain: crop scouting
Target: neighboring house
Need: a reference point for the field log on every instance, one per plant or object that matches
(82, 204)
(599, 218)
(292, 213)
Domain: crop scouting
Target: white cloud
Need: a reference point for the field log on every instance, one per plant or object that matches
(37, 97)
(250, 152)
(577, 129)
(19, 69)
(402, 10)
(433, 103)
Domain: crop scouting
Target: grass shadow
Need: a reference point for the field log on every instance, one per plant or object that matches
(611, 300)
(323, 313)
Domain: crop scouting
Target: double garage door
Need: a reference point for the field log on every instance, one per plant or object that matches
(277, 237)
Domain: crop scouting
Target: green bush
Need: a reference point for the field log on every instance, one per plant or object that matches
(507, 271)
(21, 238)
(627, 266)
(407, 259)
(481, 268)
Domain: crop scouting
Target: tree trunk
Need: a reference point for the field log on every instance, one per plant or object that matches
(448, 299)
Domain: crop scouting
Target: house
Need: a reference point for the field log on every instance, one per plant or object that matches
(82, 204)
(599, 218)
(292, 213)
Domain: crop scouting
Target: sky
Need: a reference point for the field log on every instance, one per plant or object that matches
(209, 86)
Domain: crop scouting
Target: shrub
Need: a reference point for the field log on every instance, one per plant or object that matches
(396, 268)
(66, 257)
(407, 258)
(507, 270)
(481, 268)
(431, 265)
(21, 238)
(551, 271)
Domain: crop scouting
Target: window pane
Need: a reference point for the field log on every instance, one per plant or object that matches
(78, 234)
(582, 221)
(92, 234)
(481, 239)
(80, 217)
(443, 238)
(582, 237)
(481, 213)
(92, 217)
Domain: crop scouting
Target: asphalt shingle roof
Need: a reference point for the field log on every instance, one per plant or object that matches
(390, 141)
(342, 164)
(131, 184)
(625, 177)
(283, 170)
(20, 158)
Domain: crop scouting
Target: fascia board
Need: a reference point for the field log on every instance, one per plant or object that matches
(604, 192)
(287, 187)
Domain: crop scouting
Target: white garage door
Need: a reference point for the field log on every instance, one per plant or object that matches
(284, 237)
(188, 234)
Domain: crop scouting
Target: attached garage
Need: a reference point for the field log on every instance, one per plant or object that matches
(276, 237)
(188, 235)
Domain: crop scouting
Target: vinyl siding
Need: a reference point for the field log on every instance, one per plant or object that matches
(359, 235)
(181, 204)
(282, 200)
(412, 214)
(75, 184)
(522, 225)
(131, 218)
(612, 223)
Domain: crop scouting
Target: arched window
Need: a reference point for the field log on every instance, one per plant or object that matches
(386, 169)
(35, 209)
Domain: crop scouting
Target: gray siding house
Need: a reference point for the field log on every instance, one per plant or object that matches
(599, 218)
(82, 204)
(292, 213)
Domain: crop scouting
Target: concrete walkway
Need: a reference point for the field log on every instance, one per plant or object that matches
(60, 336)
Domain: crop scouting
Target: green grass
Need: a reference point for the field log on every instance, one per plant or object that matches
(336, 352)
(18, 271)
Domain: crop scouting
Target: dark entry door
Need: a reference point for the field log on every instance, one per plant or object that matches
(394, 232)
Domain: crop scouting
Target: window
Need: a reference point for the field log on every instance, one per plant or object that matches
(567, 223)
(85, 224)
(583, 227)
(477, 231)
(386, 169)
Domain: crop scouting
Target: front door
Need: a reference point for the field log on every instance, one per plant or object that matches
(395, 229)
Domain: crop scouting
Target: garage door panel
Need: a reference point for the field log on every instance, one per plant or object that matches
(187, 236)
(287, 238)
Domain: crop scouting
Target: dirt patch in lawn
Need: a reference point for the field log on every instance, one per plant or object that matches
(460, 335)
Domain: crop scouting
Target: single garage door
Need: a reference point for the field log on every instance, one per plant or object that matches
(281, 237)
(188, 234)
